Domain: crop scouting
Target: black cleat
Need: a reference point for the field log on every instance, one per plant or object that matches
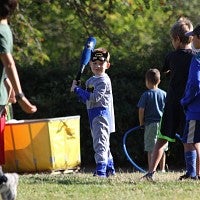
(187, 176)
(149, 176)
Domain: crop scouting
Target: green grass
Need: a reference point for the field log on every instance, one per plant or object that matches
(124, 186)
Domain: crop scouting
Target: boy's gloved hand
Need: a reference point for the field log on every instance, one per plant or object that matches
(74, 85)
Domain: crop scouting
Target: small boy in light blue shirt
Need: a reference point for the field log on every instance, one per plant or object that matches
(151, 106)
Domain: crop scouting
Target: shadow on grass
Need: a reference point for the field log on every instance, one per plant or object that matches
(83, 177)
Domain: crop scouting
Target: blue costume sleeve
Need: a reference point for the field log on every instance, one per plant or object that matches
(193, 84)
(83, 94)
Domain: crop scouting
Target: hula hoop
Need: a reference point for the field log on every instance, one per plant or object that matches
(126, 152)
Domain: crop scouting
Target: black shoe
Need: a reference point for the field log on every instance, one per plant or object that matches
(186, 176)
(149, 176)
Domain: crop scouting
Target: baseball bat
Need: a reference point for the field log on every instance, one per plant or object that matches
(86, 55)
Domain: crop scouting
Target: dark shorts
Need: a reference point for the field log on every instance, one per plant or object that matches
(173, 121)
(192, 132)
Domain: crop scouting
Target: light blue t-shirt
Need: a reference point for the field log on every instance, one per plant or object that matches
(153, 102)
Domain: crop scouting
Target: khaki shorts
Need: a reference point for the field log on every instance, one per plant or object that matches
(150, 136)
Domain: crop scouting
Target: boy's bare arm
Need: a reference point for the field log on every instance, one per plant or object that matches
(141, 116)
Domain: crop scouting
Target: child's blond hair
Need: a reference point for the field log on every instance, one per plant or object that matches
(179, 29)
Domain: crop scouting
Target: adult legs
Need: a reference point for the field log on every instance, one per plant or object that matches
(8, 181)
(162, 162)
(157, 154)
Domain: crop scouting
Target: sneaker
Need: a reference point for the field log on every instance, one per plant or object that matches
(99, 175)
(8, 188)
(187, 176)
(110, 169)
(110, 172)
(149, 176)
(100, 170)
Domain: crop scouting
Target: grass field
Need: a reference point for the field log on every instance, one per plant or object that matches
(124, 186)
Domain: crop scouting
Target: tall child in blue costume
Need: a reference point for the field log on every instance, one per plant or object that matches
(99, 102)
(191, 105)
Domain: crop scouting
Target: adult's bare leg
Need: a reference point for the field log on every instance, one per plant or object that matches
(162, 162)
(157, 154)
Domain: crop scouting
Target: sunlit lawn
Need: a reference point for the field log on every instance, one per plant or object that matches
(125, 185)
